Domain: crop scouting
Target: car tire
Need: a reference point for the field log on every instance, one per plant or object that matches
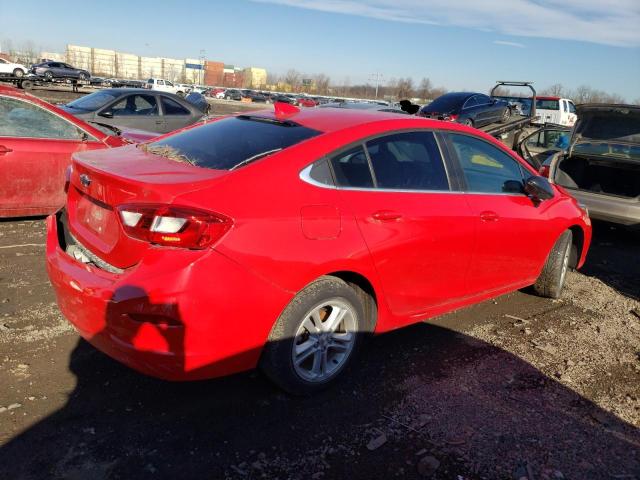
(506, 115)
(550, 282)
(48, 75)
(18, 72)
(180, 94)
(468, 122)
(82, 76)
(304, 354)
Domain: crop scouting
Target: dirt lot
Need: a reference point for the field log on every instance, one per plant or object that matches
(515, 387)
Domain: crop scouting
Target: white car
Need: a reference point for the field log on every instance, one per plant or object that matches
(15, 69)
(164, 86)
(556, 110)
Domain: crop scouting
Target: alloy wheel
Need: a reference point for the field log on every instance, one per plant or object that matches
(324, 340)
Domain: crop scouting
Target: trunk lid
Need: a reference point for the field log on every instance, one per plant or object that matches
(604, 123)
(105, 179)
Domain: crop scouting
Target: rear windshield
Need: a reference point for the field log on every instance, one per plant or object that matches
(547, 104)
(231, 142)
(93, 101)
(446, 104)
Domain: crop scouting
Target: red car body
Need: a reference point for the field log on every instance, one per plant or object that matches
(34, 165)
(306, 102)
(192, 313)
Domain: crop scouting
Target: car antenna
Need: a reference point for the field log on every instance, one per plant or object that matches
(283, 109)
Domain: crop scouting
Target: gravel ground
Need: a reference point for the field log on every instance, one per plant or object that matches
(516, 387)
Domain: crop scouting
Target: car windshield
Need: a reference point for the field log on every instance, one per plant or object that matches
(545, 104)
(92, 101)
(231, 142)
(446, 103)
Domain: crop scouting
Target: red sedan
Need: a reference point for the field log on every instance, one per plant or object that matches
(282, 239)
(36, 143)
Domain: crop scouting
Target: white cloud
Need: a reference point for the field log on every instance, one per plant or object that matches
(611, 22)
(509, 44)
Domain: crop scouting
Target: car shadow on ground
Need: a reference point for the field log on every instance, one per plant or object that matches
(481, 410)
(613, 258)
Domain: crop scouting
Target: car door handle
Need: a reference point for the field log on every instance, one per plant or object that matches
(489, 216)
(386, 215)
(4, 150)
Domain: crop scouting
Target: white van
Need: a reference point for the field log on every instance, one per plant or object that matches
(164, 86)
(560, 111)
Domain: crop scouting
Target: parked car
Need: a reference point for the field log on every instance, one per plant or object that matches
(356, 223)
(471, 109)
(36, 143)
(373, 107)
(600, 166)
(254, 96)
(232, 94)
(556, 110)
(164, 86)
(51, 70)
(153, 111)
(306, 101)
(216, 93)
(14, 69)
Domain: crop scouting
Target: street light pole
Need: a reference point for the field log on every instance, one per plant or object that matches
(202, 55)
(377, 77)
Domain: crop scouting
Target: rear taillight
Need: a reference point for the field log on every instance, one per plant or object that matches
(544, 171)
(173, 226)
(451, 117)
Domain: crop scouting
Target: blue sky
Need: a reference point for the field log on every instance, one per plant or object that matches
(464, 44)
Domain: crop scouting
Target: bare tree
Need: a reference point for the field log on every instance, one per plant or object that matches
(322, 83)
(292, 77)
(555, 90)
(404, 88)
(424, 90)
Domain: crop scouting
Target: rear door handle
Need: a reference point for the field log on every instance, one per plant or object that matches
(489, 216)
(386, 215)
(4, 150)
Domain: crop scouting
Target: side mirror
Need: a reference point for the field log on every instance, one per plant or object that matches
(107, 114)
(539, 189)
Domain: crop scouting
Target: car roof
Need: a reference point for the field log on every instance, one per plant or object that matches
(329, 119)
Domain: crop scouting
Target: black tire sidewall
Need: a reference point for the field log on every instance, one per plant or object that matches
(276, 360)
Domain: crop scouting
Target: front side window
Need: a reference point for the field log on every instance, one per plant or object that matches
(351, 168)
(408, 161)
(482, 99)
(171, 107)
(135, 105)
(549, 139)
(471, 102)
(23, 119)
(572, 108)
(487, 169)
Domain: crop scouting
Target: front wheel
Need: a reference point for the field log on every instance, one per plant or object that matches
(316, 337)
(554, 272)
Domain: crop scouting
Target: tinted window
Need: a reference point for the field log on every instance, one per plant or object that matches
(225, 144)
(351, 168)
(471, 102)
(547, 104)
(446, 103)
(93, 101)
(321, 172)
(408, 161)
(482, 99)
(23, 119)
(135, 105)
(486, 168)
(572, 108)
(171, 107)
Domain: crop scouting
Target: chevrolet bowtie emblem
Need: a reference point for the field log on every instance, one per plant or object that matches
(85, 180)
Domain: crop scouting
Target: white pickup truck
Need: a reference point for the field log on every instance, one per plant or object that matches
(164, 86)
(556, 110)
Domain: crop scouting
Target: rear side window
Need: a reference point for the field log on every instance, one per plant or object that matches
(486, 168)
(171, 107)
(351, 168)
(231, 142)
(408, 161)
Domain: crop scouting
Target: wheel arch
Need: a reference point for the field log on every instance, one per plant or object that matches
(577, 242)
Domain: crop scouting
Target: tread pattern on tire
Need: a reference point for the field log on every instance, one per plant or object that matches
(548, 283)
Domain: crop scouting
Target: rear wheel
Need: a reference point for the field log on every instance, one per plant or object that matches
(82, 76)
(48, 75)
(316, 337)
(468, 122)
(18, 72)
(554, 272)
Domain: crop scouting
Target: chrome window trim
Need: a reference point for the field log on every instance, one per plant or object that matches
(305, 176)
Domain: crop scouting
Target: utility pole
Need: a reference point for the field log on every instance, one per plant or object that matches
(377, 77)
(202, 55)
